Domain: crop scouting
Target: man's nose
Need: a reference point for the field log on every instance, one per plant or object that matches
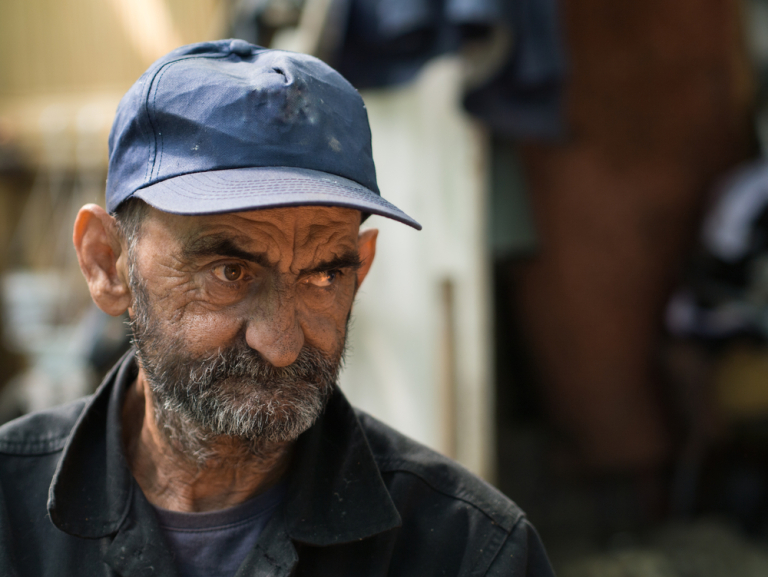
(274, 330)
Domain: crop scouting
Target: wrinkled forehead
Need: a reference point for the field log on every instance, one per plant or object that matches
(277, 231)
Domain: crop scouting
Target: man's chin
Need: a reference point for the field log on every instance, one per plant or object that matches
(226, 411)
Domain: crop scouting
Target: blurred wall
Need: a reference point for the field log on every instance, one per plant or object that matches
(68, 54)
(420, 350)
(659, 105)
(64, 65)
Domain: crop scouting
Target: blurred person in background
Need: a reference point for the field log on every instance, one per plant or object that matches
(220, 444)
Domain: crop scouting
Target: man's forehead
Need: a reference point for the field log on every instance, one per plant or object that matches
(294, 225)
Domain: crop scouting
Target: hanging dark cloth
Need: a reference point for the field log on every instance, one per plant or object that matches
(377, 43)
(386, 42)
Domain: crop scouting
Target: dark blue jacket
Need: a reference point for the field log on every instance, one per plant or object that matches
(362, 500)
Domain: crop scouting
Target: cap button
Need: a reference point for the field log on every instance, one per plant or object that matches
(240, 47)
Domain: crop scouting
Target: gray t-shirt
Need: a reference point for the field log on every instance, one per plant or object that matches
(215, 543)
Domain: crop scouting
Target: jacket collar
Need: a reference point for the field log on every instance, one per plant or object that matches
(335, 491)
(91, 489)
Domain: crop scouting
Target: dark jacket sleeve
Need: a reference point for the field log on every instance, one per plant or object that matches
(521, 555)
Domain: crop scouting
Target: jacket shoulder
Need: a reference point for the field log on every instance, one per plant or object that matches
(41, 432)
(394, 452)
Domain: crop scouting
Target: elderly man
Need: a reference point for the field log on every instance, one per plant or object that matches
(220, 445)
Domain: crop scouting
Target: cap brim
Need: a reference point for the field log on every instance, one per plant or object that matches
(239, 189)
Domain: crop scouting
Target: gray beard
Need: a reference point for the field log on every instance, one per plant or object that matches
(232, 397)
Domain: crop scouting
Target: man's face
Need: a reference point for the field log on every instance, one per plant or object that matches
(240, 319)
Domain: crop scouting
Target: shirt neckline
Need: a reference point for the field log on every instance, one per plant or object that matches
(254, 507)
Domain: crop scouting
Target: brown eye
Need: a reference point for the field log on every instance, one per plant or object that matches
(229, 272)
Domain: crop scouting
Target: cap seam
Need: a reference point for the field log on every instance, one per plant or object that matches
(276, 182)
(329, 177)
(342, 190)
(155, 83)
(152, 153)
(143, 131)
(158, 153)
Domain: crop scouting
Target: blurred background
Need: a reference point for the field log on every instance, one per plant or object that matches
(583, 320)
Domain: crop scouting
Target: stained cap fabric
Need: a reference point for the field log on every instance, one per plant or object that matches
(229, 126)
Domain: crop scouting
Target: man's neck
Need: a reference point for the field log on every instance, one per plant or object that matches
(172, 480)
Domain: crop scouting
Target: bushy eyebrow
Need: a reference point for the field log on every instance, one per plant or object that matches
(349, 259)
(224, 246)
(216, 245)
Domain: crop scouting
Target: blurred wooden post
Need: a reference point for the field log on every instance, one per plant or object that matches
(448, 377)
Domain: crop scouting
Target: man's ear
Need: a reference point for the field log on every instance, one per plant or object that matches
(366, 248)
(102, 259)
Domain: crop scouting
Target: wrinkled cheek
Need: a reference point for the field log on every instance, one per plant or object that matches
(326, 333)
(324, 324)
(204, 334)
(173, 301)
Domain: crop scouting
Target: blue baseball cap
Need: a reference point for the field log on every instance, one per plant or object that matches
(228, 126)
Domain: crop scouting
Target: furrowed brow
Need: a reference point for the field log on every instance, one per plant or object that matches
(350, 260)
(210, 246)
